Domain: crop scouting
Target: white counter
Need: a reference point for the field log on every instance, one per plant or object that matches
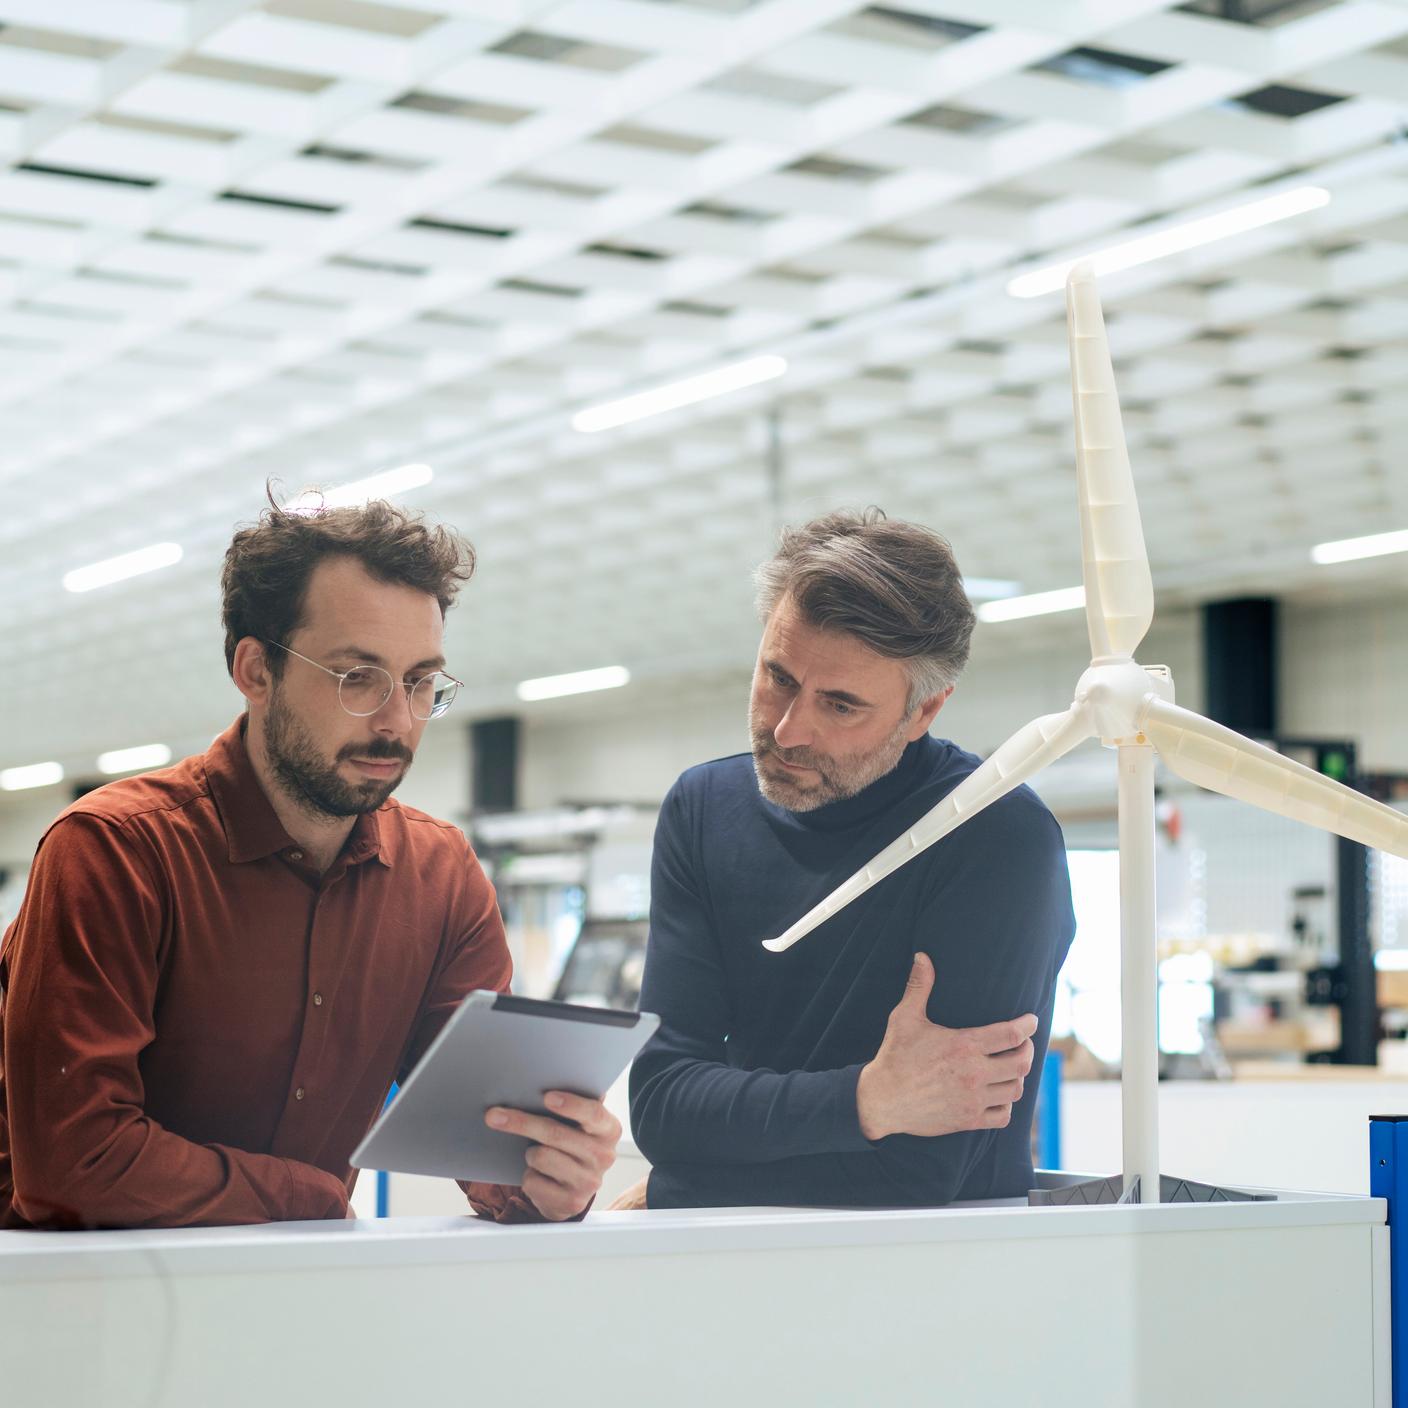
(1161, 1307)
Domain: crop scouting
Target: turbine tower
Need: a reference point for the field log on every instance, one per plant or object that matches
(1130, 708)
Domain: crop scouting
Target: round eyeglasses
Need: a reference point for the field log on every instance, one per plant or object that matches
(364, 689)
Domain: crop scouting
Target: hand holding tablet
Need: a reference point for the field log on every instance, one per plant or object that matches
(571, 1149)
(508, 1055)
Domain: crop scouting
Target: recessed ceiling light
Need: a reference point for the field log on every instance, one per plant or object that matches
(1351, 549)
(362, 491)
(675, 394)
(580, 682)
(148, 755)
(118, 569)
(987, 588)
(32, 775)
(1037, 604)
(1175, 239)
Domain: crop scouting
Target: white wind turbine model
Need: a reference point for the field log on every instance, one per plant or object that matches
(1129, 707)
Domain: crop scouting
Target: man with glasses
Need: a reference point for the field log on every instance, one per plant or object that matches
(219, 969)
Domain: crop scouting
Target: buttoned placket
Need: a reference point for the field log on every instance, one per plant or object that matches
(325, 956)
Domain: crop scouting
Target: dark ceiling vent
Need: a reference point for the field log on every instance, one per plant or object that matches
(1283, 100)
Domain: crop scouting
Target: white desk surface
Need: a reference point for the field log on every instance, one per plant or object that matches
(431, 1240)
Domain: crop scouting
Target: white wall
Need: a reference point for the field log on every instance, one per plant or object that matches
(1344, 674)
(632, 749)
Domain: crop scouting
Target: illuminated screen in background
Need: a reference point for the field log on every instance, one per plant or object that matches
(1088, 989)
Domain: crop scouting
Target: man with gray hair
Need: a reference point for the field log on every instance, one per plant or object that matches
(884, 1062)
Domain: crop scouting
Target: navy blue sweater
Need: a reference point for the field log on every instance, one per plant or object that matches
(747, 1093)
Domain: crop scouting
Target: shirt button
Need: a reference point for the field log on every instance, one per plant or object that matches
(295, 855)
(317, 999)
(299, 1093)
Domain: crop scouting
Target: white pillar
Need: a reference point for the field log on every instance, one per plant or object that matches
(1139, 1085)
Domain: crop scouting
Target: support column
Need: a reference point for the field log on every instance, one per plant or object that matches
(1139, 1092)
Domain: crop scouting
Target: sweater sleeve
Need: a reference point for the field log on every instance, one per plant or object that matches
(996, 920)
(997, 923)
(80, 973)
(688, 1104)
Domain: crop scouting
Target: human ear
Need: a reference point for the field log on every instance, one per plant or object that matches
(927, 713)
(250, 671)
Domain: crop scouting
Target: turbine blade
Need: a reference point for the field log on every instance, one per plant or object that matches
(1223, 761)
(1119, 593)
(1029, 750)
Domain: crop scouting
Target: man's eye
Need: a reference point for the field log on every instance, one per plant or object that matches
(357, 679)
(841, 708)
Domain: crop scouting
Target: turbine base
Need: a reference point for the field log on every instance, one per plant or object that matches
(1111, 1191)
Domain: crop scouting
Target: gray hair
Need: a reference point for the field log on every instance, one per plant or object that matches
(894, 586)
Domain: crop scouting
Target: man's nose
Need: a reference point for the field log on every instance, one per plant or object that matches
(395, 717)
(793, 729)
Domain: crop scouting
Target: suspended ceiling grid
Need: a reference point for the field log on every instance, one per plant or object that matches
(313, 240)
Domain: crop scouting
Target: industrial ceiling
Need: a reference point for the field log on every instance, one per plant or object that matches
(316, 239)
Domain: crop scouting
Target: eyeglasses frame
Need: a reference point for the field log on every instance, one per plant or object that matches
(341, 675)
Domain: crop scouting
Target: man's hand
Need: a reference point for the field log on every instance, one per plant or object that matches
(569, 1154)
(927, 1079)
(633, 1199)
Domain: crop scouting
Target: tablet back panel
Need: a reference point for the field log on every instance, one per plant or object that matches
(497, 1050)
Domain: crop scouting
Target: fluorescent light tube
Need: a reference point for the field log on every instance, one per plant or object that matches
(679, 393)
(1014, 608)
(362, 491)
(118, 569)
(1175, 239)
(582, 682)
(1351, 549)
(149, 755)
(986, 588)
(34, 775)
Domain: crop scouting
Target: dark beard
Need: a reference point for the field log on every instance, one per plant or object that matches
(316, 785)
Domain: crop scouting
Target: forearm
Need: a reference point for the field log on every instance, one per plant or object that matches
(143, 1176)
(696, 1111)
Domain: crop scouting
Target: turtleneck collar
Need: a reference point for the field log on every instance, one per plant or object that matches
(868, 803)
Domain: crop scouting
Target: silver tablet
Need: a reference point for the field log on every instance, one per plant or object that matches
(497, 1050)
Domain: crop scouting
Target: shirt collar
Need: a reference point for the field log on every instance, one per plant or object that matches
(252, 826)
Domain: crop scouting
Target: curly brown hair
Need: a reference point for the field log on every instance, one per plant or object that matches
(264, 581)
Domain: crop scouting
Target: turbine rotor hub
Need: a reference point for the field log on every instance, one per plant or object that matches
(1117, 692)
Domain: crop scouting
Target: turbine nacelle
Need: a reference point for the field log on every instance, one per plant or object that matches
(1115, 695)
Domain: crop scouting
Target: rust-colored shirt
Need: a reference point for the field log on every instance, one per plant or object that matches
(198, 1028)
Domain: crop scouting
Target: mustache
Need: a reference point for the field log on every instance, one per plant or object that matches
(380, 750)
(764, 745)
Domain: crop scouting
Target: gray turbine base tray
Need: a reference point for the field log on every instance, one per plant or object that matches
(1097, 1191)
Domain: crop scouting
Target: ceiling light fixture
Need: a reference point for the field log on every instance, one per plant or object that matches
(148, 755)
(362, 491)
(118, 569)
(1014, 608)
(580, 682)
(1352, 549)
(675, 394)
(1175, 239)
(987, 588)
(33, 775)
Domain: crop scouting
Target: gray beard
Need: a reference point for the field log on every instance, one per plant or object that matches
(836, 778)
